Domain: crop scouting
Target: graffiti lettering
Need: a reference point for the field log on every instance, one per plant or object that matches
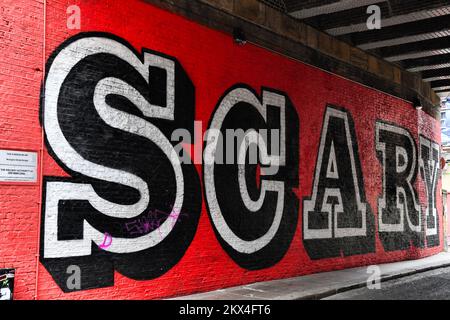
(152, 221)
(429, 169)
(106, 241)
(337, 217)
(132, 103)
(131, 183)
(252, 230)
(399, 214)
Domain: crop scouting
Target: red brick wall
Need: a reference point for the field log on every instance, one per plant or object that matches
(21, 32)
(214, 64)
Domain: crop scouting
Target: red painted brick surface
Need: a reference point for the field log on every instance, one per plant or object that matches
(21, 38)
(214, 64)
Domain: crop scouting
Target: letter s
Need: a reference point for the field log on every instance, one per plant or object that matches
(107, 114)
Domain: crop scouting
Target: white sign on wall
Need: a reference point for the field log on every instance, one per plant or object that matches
(18, 166)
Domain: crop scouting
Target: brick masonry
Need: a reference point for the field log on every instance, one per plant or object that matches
(272, 29)
(108, 112)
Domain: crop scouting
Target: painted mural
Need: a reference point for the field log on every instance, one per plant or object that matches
(132, 202)
(174, 160)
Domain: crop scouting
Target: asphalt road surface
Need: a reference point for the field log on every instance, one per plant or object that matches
(430, 285)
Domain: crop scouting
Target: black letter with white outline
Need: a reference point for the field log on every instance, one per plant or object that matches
(399, 214)
(108, 114)
(255, 224)
(430, 172)
(337, 220)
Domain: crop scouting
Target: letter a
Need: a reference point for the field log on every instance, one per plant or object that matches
(74, 280)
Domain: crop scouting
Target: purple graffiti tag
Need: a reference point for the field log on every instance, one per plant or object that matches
(133, 227)
(147, 226)
(152, 220)
(174, 215)
(106, 241)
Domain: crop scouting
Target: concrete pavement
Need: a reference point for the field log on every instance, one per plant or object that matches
(429, 285)
(320, 285)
